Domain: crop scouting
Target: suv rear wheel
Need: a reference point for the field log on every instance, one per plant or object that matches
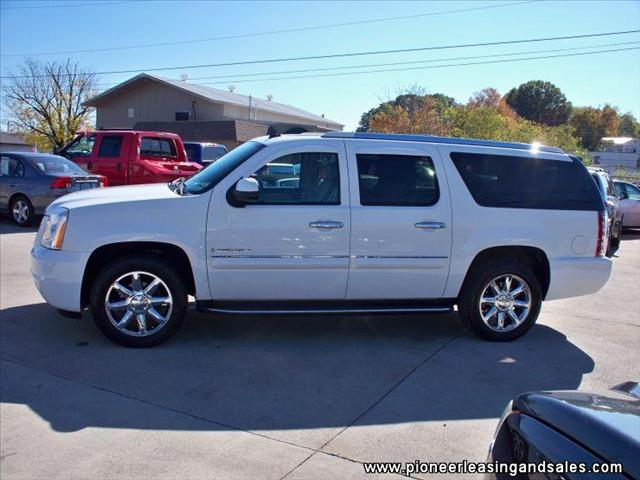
(501, 299)
(138, 301)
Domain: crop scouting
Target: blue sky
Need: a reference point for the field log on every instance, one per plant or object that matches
(43, 26)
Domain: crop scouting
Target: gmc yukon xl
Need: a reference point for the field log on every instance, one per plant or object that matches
(372, 223)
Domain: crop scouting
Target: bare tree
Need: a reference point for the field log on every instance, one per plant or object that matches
(487, 97)
(45, 100)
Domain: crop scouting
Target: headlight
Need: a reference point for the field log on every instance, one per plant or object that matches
(55, 225)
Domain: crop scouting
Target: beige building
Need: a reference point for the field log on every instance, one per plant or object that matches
(618, 153)
(10, 142)
(197, 110)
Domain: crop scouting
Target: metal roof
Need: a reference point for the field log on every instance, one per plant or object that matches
(222, 96)
(435, 139)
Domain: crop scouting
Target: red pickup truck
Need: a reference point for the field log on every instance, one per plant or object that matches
(128, 157)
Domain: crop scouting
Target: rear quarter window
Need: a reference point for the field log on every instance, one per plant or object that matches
(527, 182)
(397, 180)
(157, 147)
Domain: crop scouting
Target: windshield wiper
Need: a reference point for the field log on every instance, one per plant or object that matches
(178, 185)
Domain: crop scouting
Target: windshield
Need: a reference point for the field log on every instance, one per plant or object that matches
(55, 164)
(211, 153)
(210, 176)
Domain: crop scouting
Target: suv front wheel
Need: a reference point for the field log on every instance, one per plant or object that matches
(138, 301)
(501, 300)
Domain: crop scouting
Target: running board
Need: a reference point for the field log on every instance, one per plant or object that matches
(293, 308)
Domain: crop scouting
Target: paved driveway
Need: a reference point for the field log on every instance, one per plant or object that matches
(273, 397)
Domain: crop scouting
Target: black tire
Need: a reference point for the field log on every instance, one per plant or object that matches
(478, 280)
(22, 201)
(615, 242)
(173, 284)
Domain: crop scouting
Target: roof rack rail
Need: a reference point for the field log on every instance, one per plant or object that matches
(436, 139)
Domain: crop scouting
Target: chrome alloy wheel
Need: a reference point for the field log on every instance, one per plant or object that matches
(138, 303)
(20, 211)
(505, 303)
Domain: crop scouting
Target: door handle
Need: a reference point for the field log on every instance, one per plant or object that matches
(327, 225)
(430, 225)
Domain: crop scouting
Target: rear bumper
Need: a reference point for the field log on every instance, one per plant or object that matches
(58, 276)
(576, 276)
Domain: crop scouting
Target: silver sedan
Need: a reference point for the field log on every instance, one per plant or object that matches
(29, 182)
(629, 195)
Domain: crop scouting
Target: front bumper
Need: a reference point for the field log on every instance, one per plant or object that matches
(58, 276)
(576, 276)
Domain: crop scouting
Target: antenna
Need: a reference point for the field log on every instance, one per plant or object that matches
(184, 77)
(232, 88)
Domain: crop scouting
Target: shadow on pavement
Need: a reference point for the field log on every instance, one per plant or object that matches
(630, 234)
(7, 226)
(278, 373)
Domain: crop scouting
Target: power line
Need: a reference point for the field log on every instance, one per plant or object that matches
(425, 68)
(62, 5)
(352, 54)
(272, 32)
(346, 67)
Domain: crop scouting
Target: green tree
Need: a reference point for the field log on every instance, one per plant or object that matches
(410, 100)
(628, 126)
(541, 102)
(45, 101)
(591, 124)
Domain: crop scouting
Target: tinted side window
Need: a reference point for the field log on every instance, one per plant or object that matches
(397, 180)
(192, 152)
(110, 147)
(632, 192)
(527, 182)
(11, 167)
(161, 147)
(211, 153)
(301, 178)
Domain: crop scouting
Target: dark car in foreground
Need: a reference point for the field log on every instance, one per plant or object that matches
(204, 153)
(571, 430)
(29, 182)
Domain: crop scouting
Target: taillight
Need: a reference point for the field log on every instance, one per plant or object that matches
(601, 244)
(61, 182)
(104, 181)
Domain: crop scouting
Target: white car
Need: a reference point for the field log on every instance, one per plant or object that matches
(377, 223)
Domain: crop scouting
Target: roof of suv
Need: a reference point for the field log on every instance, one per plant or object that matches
(426, 139)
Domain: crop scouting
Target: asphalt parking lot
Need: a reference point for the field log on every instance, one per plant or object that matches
(284, 397)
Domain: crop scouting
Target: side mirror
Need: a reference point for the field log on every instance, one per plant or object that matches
(247, 190)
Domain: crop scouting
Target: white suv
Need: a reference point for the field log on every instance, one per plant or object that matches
(373, 223)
